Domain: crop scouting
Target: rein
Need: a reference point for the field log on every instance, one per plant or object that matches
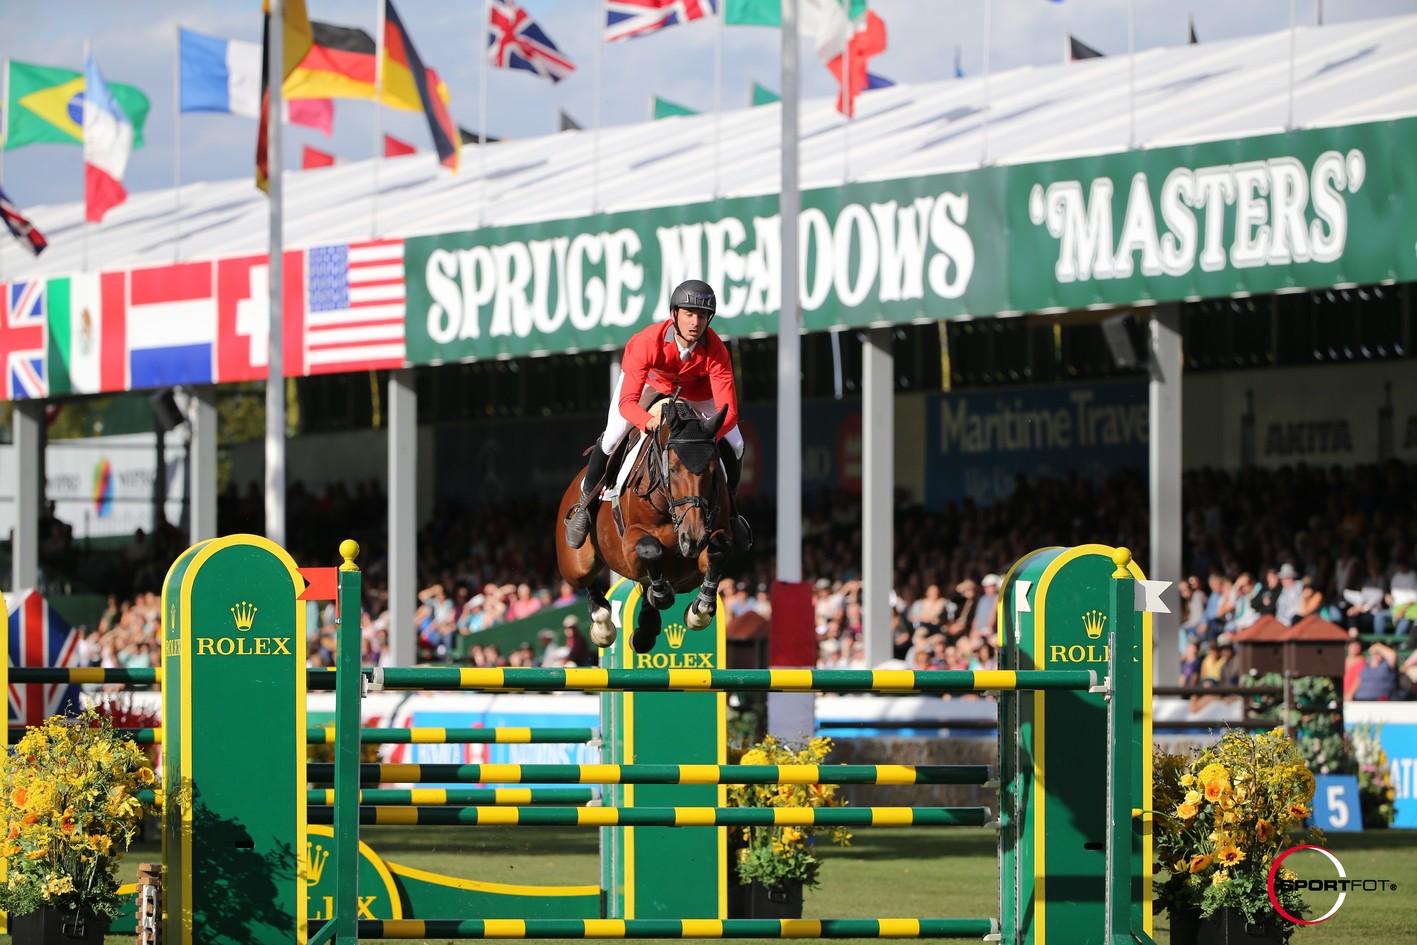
(655, 461)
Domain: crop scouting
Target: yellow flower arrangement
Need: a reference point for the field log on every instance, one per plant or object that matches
(775, 856)
(1223, 816)
(69, 808)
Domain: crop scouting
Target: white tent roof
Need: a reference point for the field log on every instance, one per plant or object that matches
(1342, 74)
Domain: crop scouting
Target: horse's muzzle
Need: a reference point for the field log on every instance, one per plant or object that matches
(689, 546)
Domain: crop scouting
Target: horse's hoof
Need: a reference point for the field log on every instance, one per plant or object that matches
(661, 597)
(602, 634)
(697, 619)
(642, 641)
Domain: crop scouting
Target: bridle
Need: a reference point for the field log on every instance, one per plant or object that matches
(702, 451)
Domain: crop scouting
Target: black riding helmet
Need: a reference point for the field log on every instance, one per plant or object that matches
(695, 294)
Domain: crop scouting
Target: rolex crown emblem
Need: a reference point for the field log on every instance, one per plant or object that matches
(316, 856)
(1093, 621)
(674, 633)
(245, 614)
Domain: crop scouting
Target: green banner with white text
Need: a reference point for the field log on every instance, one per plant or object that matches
(1303, 209)
(891, 251)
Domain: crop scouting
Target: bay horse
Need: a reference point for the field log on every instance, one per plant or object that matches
(674, 531)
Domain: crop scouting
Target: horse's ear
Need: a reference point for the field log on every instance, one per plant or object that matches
(718, 419)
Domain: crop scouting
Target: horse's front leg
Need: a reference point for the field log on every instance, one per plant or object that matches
(602, 628)
(651, 554)
(699, 613)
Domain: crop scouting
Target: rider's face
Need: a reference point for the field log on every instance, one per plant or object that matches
(691, 323)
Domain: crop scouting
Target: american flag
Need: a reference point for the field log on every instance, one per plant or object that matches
(22, 339)
(627, 18)
(20, 226)
(355, 309)
(40, 637)
(514, 41)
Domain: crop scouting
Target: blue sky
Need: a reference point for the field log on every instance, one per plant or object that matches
(135, 42)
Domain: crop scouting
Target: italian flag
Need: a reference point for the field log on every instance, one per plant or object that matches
(108, 140)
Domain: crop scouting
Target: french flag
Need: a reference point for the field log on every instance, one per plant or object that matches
(224, 75)
(108, 140)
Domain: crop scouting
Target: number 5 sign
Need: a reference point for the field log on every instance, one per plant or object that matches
(1336, 805)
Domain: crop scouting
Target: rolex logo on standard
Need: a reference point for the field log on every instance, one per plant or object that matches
(316, 856)
(1093, 622)
(245, 614)
(674, 633)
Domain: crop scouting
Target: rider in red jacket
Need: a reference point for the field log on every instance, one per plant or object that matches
(686, 354)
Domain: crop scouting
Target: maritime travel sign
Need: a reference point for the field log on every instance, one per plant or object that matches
(1304, 209)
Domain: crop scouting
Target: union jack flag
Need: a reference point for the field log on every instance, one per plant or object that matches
(514, 41)
(21, 227)
(22, 339)
(627, 18)
(40, 637)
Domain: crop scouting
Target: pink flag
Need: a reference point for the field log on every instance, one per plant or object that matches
(317, 113)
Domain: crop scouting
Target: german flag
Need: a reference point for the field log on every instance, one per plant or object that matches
(296, 43)
(341, 64)
(404, 72)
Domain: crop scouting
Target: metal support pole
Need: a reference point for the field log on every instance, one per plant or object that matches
(877, 493)
(403, 515)
(202, 488)
(28, 426)
(275, 378)
(1164, 449)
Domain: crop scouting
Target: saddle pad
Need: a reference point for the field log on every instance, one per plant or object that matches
(622, 476)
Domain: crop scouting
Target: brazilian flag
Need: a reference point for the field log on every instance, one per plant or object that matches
(46, 106)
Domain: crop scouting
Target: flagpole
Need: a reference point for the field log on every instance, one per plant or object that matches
(848, 87)
(84, 253)
(378, 116)
(1293, 54)
(275, 376)
(1132, 73)
(482, 118)
(4, 126)
(789, 337)
(988, 55)
(717, 92)
(595, 111)
(177, 149)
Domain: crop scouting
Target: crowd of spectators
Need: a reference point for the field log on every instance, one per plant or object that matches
(1288, 542)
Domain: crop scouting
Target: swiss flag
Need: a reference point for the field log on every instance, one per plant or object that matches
(243, 319)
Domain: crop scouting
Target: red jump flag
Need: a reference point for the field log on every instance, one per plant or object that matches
(393, 147)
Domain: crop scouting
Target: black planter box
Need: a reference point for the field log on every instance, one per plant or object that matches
(756, 901)
(56, 927)
(1228, 927)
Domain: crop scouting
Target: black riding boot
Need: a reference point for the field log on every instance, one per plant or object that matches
(733, 466)
(578, 519)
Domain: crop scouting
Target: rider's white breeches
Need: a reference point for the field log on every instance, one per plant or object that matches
(616, 426)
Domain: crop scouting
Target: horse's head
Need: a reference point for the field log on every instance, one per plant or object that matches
(689, 458)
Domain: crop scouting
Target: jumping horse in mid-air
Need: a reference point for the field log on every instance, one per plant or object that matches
(670, 528)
